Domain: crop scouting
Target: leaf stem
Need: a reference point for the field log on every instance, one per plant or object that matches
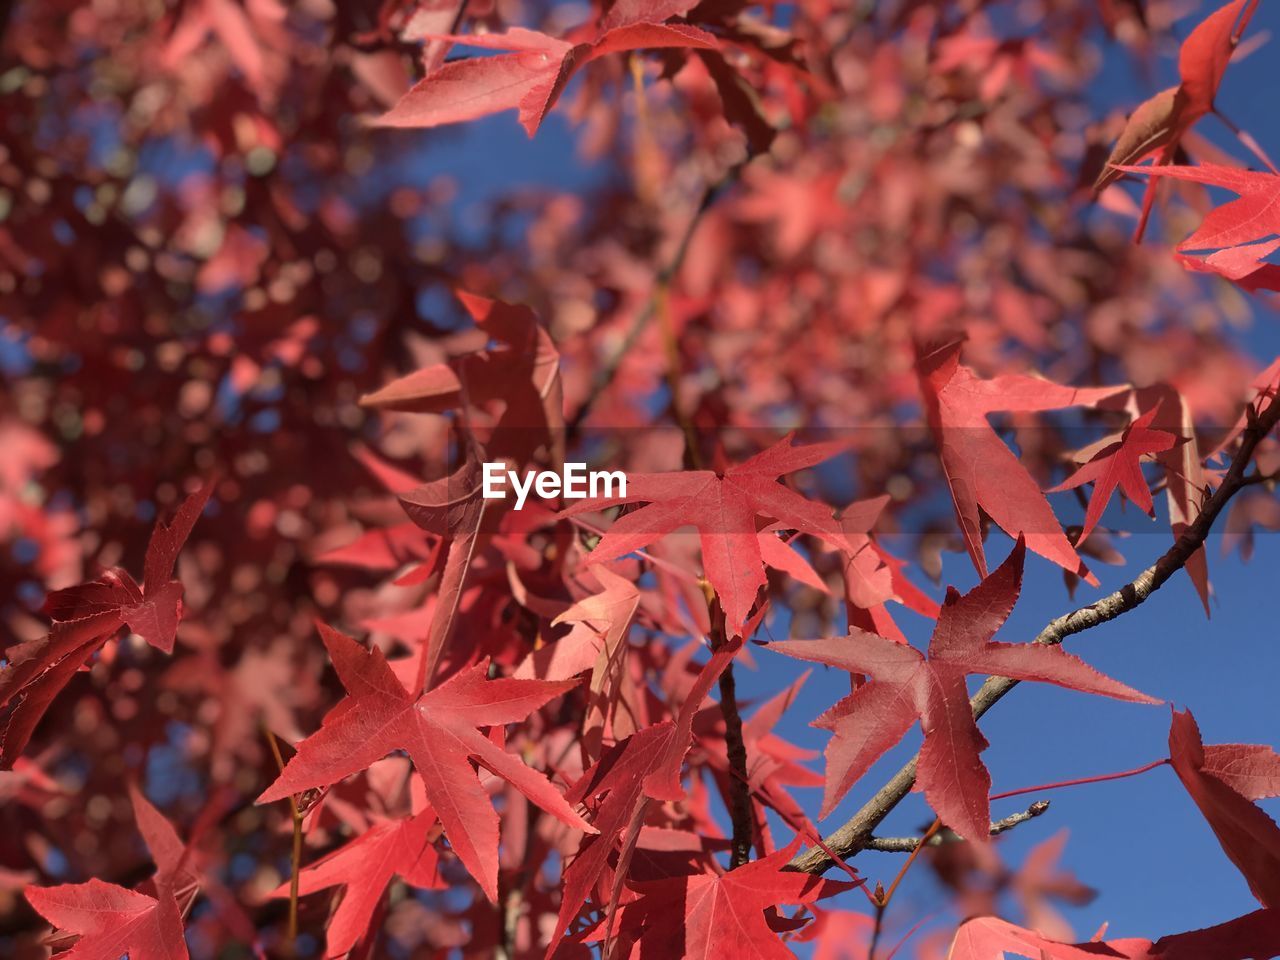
(883, 899)
(295, 861)
(1100, 778)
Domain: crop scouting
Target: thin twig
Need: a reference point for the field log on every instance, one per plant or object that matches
(909, 844)
(883, 899)
(1247, 139)
(295, 861)
(1256, 478)
(661, 287)
(853, 835)
(740, 811)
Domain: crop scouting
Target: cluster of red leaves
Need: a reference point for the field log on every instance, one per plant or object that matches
(824, 216)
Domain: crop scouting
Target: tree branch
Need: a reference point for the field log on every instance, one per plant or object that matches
(739, 801)
(856, 832)
(662, 282)
(909, 844)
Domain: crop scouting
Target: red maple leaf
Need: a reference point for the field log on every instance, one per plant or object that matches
(86, 616)
(613, 608)
(873, 576)
(721, 914)
(1158, 125)
(1223, 781)
(111, 921)
(982, 473)
(723, 507)
(907, 687)
(530, 77)
(1253, 935)
(520, 367)
(644, 767)
(365, 866)
(1119, 465)
(1238, 232)
(438, 731)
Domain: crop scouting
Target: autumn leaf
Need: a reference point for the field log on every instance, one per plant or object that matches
(906, 687)
(613, 609)
(723, 507)
(1223, 781)
(1119, 465)
(982, 473)
(873, 576)
(1158, 125)
(111, 920)
(438, 731)
(721, 914)
(453, 508)
(1239, 232)
(530, 77)
(990, 938)
(86, 616)
(619, 788)
(520, 368)
(364, 867)
(773, 764)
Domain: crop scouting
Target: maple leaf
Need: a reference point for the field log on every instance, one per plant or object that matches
(982, 473)
(111, 921)
(438, 731)
(88, 615)
(1040, 880)
(1223, 781)
(1160, 123)
(990, 938)
(721, 915)
(906, 687)
(454, 508)
(723, 507)
(1254, 935)
(840, 935)
(239, 30)
(1119, 465)
(1204, 55)
(1245, 938)
(530, 77)
(644, 767)
(365, 866)
(520, 367)
(1245, 265)
(521, 370)
(1255, 215)
(615, 607)
(1264, 387)
(873, 576)
(1184, 475)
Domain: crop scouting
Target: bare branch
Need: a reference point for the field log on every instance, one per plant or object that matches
(908, 844)
(855, 833)
(739, 800)
(662, 282)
